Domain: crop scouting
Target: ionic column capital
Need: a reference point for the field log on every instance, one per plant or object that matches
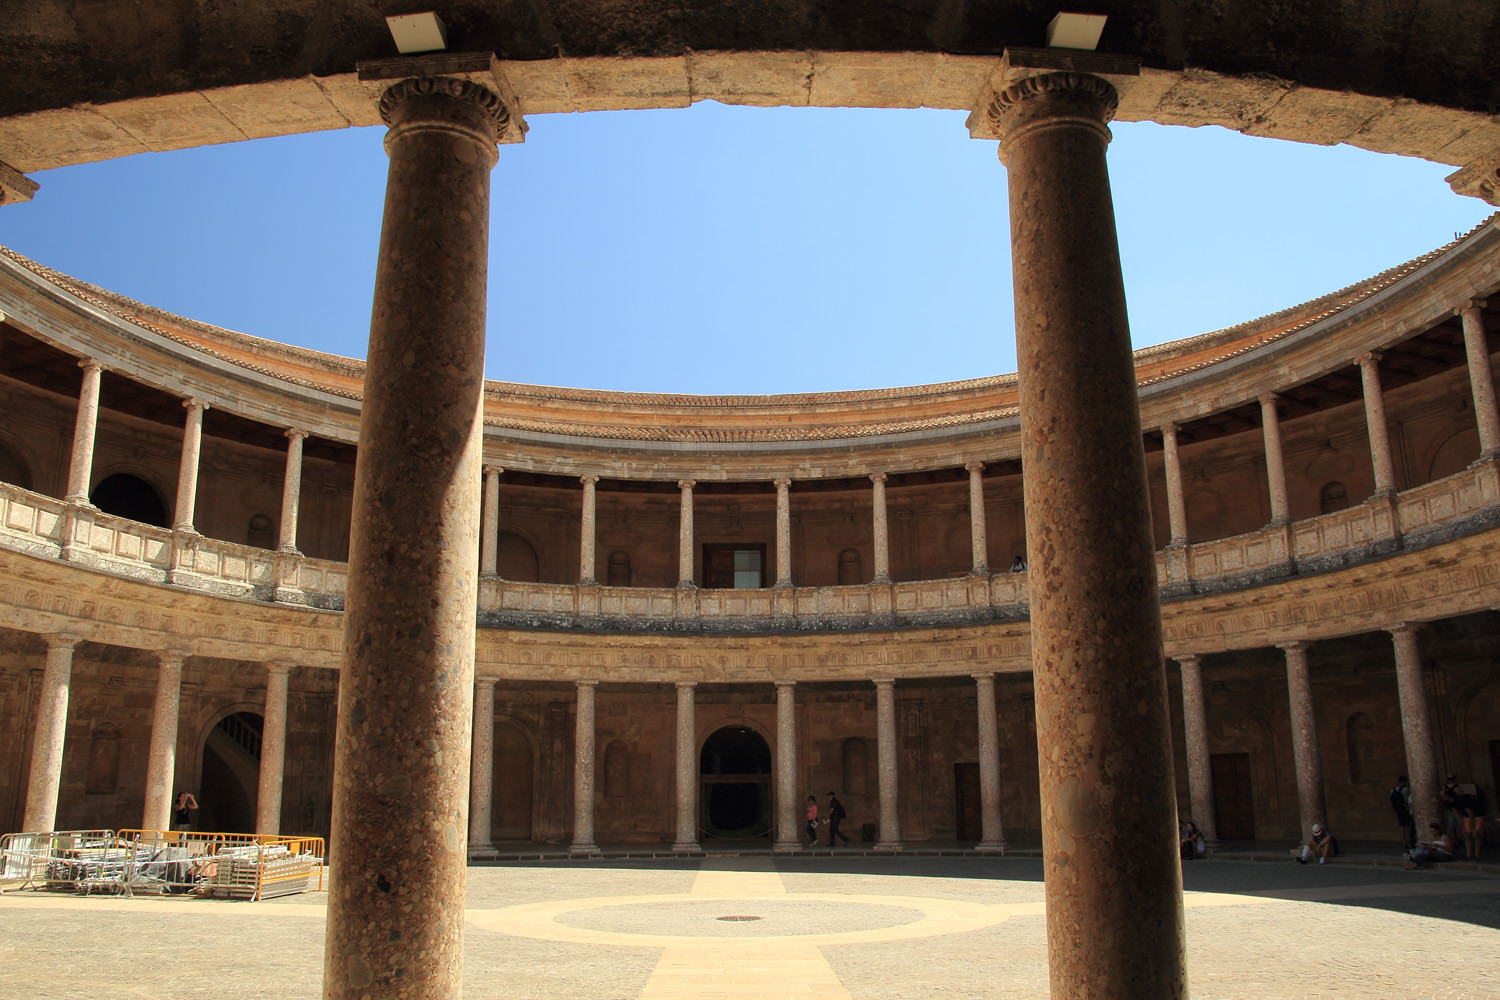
(90, 365)
(686, 485)
(492, 470)
(1470, 305)
(1268, 399)
(1170, 428)
(1406, 628)
(1368, 358)
(194, 403)
(782, 485)
(588, 480)
(974, 466)
(295, 434)
(877, 477)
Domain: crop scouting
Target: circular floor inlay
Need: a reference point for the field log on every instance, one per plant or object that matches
(738, 916)
(759, 917)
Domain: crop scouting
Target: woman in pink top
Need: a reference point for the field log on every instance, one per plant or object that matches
(812, 821)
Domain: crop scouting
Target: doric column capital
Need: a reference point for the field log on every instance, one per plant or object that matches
(784, 684)
(974, 466)
(586, 682)
(193, 402)
(62, 640)
(1470, 305)
(1405, 628)
(881, 682)
(295, 434)
(1294, 646)
(171, 657)
(985, 678)
(1187, 659)
(686, 685)
(484, 682)
(279, 666)
(1032, 86)
(686, 485)
(588, 480)
(471, 84)
(782, 485)
(877, 477)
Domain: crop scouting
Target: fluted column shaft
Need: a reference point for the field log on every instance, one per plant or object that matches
(583, 771)
(1481, 380)
(687, 770)
(489, 534)
(587, 533)
(1270, 425)
(1416, 729)
(50, 735)
(81, 467)
(187, 470)
(161, 758)
(978, 537)
(1199, 761)
(889, 838)
(1176, 505)
(882, 532)
(1108, 803)
(1375, 420)
(1307, 758)
(788, 831)
(272, 749)
(482, 766)
(685, 534)
(291, 491)
(991, 832)
(406, 690)
(783, 532)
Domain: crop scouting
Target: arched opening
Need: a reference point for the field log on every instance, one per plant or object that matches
(13, 468)
(735, 767)
(510, 809)
(851, 569)
(1454, 454)
(516, 559)
(231, 775)
(258, 533)
(1333, 496)
(127, 496)
(618, 572)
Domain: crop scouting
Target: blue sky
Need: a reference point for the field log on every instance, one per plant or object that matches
(736, 250)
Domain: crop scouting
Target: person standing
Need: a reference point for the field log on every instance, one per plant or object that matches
(182, 819)
(1401, 806)
(836, 815)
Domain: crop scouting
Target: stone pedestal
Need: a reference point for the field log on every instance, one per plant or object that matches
(401, 761)
(161, 758)
(887, 768)
(1307, 758)
(482, 766)
(81, 467)
(687, 771)
(1195, 731)
(50, 734)
(291, 491)
(583, 772)
(1108, 801)
(272, 749)
(1416, 729)
(992, 834)
(789, 832)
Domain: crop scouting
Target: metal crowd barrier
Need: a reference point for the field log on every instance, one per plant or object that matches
(231, 865)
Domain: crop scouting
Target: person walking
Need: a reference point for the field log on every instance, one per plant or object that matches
(836, 815)
(1401, 805)
(812, 821)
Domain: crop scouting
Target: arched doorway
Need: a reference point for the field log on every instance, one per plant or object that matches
(231, 775)
(735, 768)
(130, 497)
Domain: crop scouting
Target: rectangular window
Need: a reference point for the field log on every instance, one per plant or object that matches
(734, 564)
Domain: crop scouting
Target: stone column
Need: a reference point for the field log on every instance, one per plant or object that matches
(687, 771)
(685, 535)
(291, 490)
(583, 772)
(1481, 380)
(783, 532)
(81, 468)
(978, 539)
(50, 734)
(1108, 801)
(789, 831)
(587, 535)
(1176, 506)
(1307, 758)
(1380, 435)
(272, 749)
(889, 838)
(1416, 728)
(406, 690)
(482, 765)
(1270, 426)
(991, 833)
(1195, 731)
(161, 759)
(489, 540)
(187, 471)
(882, 533)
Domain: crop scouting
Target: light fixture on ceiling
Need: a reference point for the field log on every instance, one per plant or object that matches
(424, 32)
(1075, 31)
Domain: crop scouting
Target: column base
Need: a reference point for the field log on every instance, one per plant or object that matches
(288, 595)
(583, 850)
(787, 847)
(990, 847)
(687, 847)
(889, 847)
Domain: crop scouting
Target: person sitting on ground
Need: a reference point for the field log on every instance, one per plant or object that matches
(1437, 847)
(1322, 844)
(1019, 566)
(1190, 843)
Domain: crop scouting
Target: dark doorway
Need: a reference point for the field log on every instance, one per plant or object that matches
(1234, 797)
(231, 775)
(735, 768)
(124, 495)
(970, 824)
(510, 816)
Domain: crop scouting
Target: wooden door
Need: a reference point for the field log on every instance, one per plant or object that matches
(1234, 798)
(510, 816)
(966, 795)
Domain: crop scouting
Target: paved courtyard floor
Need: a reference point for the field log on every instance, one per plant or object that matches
(754, 928)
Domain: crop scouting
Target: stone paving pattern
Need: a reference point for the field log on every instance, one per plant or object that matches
(1255, 930)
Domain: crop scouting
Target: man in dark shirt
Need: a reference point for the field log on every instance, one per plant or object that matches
(1401, 805)
(836, 815)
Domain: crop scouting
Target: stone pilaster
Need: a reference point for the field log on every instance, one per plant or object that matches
(687, 771)
(161, 758)
(991, 831)
(587, 533)
(291, 491)
(50, 734)
(1416, 728)
(1113, 878)
(788, 830)
(1270, 425)
(887, 765)
(1199, 761)
(489, 535)
(978, 537)
(783, 533)
(482, 766)
(583, 772)
(187, 471)
(1481, 380)
(1375, 420)
(272, 749)
(1307, 758)
(1176, 504)
(401, 761)
(685, 535)
(81, 466)
(882, 531)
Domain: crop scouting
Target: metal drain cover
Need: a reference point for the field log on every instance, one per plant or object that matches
(739, 916)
